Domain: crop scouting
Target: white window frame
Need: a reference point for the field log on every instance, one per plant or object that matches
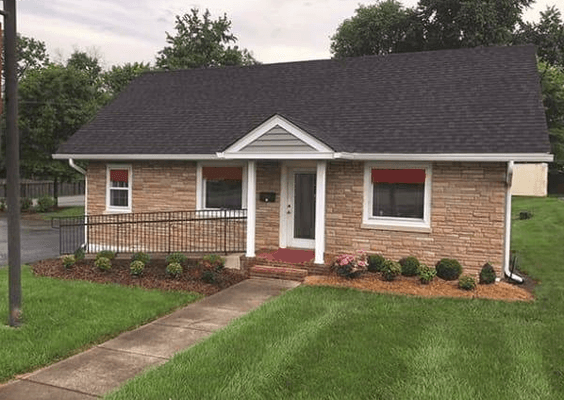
(117, 209)
(395, 223)
(201, 183)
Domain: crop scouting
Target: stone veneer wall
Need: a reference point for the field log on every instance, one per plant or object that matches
(157, 186)
(268, 214)
(467, 216)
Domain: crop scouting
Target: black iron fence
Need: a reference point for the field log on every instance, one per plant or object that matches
(35, 189)
(208, 231)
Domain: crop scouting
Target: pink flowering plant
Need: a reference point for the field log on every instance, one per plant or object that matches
(351, 265)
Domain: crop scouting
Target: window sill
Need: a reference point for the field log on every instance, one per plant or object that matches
(402, 227)
(117, 211)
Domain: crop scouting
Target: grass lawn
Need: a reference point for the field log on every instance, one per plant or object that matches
(62, 317)
(330, 343)
(64, 212)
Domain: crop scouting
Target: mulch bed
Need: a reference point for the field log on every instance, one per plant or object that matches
(154, 275)
(437, 288)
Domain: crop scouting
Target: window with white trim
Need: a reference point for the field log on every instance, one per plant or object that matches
(118, 190)
(222, 187)
(397, 196)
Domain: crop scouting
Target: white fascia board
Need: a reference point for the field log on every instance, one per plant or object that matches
(475, 157)
(276, 156)
(136, 156)
(273, 121)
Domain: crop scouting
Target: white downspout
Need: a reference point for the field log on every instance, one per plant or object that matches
(507, 239)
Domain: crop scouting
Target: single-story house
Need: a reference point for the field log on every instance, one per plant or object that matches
(402, 154)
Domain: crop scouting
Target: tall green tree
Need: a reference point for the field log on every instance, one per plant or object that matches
(552, 83)
(119, 76)
(202, 42)
(381, 28)
(547, 35)
(31, 54)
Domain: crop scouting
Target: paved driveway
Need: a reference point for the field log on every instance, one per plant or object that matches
(38, 241)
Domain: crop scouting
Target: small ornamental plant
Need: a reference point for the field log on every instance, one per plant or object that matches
(25, 203)
(448, 269)
(178, 258)
(426, 274)
(209, 276)
(79, 254)
(215, 261)
(174, 269)
(466, 282)
(104, 263)
(136, 268)
(349, 265)
(110, 255)
(487, 274)
(375, 262)
(390, 270)
(409, 266)
(141, 256)
(68, 261)
(45, 203)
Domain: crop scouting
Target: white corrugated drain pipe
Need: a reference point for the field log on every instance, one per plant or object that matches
(507, 240)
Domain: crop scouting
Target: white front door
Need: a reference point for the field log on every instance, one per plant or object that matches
(300, 209)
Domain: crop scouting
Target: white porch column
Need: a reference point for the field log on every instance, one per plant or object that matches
(251, 207)
(320, 212)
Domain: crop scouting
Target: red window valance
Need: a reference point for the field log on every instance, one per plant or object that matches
(223, 173)
(118, 175)
(398, 176)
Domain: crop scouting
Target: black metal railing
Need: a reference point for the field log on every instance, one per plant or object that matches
(206, 231)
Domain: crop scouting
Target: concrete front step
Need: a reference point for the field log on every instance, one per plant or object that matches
(267, 271)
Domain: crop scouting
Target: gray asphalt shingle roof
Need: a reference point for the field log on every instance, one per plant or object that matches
(483, 100)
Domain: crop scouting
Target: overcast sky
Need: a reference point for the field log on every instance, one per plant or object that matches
(121, 31)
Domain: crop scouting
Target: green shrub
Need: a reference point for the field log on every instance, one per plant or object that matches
(375, 262)
(2, 204)
(215, 260)
(68, 261)
(448, 269)
(45, 203)
(466, 282)
(79, 254)
(209, 276)
(178, 258)
(487, 274)
(104, 263)
(390, 269)
(136, 268)
(140, 256)
(174, 269)
(110, 255)
(409, 266)
(25, 203)
(426, 274)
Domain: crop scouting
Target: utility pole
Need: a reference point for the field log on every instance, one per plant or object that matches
(12, 164)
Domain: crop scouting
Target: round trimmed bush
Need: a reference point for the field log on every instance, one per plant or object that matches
(177, 258)
(390, 269)
(487, 274)
(209, 276)
(466, 282)
(110, 255)
(375, 262)
(136, 268)
(409, 266)
(448, 269)
(174, 269)
(104, 263)
(141, 256)
(68, 261)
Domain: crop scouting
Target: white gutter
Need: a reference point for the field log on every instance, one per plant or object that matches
(460, 157)
(507, 239)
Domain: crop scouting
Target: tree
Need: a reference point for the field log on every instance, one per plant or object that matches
(201, 42)
(547, 35)
(552, 82)
(452, 24)
(90, 64)
(118, 77)
(381, 28)
(31, 54)
(55, 102)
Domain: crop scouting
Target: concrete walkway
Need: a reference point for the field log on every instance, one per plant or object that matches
(104, 367)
